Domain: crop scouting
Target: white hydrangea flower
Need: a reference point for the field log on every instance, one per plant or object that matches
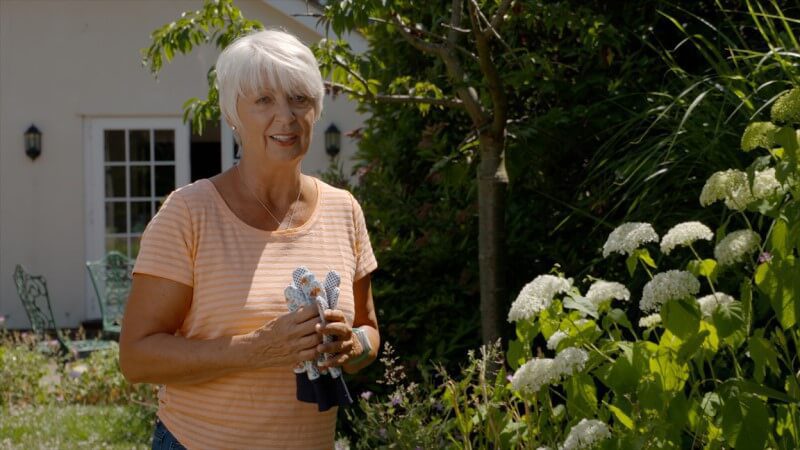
(602, 290)
(585, 435)
(729, 185)
(710, 302)
(672, 284)
(557, 337)
(537, 295)
(765, 184)
(571, 360)
(684, 234)
(650, 321)
(628, 237)
(736, 246)
(539, 372)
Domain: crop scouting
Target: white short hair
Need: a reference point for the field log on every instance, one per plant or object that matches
(271, 58)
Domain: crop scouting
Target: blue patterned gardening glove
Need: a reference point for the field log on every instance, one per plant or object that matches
(315, 386)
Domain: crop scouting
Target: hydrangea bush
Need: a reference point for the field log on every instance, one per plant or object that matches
(713, 362)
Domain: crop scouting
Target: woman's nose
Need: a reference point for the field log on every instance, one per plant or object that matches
(283, 111)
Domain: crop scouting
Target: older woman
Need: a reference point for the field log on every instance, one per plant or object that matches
(206, 317)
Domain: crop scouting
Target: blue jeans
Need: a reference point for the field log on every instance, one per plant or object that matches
(164, 440)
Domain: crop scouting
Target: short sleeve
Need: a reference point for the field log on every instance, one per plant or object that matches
(365, 258)
(167, 246)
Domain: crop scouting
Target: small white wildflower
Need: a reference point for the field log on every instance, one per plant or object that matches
(710, 302)
(539, 372)
(684, 234)
(557, 337)
(765, 184)
(559, 410)
(729, 185)
(628, 237)
(650, 321)
(543, 448)
(735, 246)
(672, 284)
(537, 295)
(602, 290)
(342, 444)
(585, 435)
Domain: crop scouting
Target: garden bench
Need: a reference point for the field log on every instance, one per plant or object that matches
(111, 278)
(33, 294)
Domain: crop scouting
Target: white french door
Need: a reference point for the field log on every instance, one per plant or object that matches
(132, 164)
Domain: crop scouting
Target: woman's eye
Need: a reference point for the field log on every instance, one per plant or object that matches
(300, 99)
(264, 100)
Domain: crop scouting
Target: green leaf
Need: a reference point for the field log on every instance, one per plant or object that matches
(515, 354)
(756, 416)
(729, 321)
(691, 346)
(779, 242)
(619, 317)
(681, 317)
(630, 263)
(763, 355)
(581, 304)
(581, 395)
(778, 280)
(644, 256)
(621, 417)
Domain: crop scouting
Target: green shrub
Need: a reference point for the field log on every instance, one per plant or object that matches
(22, 371)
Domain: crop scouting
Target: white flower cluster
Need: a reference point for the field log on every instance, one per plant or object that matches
(538, 372)
(537, 295)
(555, 338)
(650, 321)
(628, 237)
(710, 302)
(735, 246)
(585, 435)
(602, 290)
(683, 234)
(733, 186)
(672, 284)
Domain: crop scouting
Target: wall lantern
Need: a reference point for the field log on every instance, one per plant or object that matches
(33, 142)
(333, 141)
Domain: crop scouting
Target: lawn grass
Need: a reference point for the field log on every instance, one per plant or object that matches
(75, 427)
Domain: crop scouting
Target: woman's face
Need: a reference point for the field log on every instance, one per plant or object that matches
(276, 123)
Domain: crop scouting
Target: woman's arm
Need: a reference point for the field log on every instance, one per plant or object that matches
(347, 346)
(150, 352)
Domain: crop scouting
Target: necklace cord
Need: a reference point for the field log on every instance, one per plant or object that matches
(291, 215)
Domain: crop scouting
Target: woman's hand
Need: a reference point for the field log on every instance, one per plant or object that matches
(345, 346)
(287, 339)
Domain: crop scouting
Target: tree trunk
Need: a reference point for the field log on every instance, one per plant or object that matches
(492, 184)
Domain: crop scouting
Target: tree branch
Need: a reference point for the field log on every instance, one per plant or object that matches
(397, 98)
(489, 70)
(419, 44)
(455, 21)
(499, 15)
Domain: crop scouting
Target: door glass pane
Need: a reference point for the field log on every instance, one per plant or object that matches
(115, 181)
(165, 145)
(116, 217)
(140, 145)
(165, 180)
(115, 145)
(119, 244)
(140, 215)
(140, 181)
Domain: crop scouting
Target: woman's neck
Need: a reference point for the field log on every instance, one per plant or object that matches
(276, 185)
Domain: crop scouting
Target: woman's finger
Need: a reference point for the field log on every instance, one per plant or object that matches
(334, 315)
(339, 329)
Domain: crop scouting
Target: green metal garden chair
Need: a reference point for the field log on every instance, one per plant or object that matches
(32, 290)
(111, 278)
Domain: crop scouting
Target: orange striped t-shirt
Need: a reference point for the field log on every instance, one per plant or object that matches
(238, 274)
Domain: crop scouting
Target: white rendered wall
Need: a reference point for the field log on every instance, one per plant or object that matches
(63, 62)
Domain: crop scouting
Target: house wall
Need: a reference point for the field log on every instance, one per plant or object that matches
(64, 62)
